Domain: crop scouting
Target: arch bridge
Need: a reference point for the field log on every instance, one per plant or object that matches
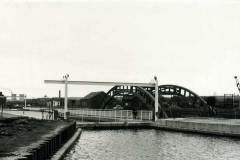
(163, 100)
(174, 100)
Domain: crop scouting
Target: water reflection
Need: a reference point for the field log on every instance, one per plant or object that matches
(152, 145)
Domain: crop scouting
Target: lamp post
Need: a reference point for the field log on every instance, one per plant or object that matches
(65, 77)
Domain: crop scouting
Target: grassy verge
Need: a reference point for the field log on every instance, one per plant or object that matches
(19, 132)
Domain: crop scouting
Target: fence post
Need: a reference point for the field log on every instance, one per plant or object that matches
(127, 114)
(99, 115)
(42, 115)
(121, 115)
(141, 115)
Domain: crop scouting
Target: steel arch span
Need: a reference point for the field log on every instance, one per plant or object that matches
(186, 100)
(182, 96)
(140, 93)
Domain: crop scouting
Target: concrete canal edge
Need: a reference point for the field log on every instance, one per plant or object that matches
(48, 145)
(57, 145)
(210, 126)
(114, 125)
(65, 148)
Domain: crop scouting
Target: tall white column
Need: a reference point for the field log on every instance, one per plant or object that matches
(156, 98)
(66, 96)
(25, 101)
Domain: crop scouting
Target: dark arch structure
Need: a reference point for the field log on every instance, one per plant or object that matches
(143, 95)
(146, 96)
(181, 91)
(169, 89)
(197, 103)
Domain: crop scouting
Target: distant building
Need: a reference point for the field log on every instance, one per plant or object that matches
(21, 97)
(56, 103)
(74, 102)
(93, 100)
(13, 97)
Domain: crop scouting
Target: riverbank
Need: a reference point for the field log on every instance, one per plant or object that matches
(21, 137)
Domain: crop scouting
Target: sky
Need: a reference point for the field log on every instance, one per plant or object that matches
(191, 43)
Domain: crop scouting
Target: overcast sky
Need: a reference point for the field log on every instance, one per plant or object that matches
(191, 43)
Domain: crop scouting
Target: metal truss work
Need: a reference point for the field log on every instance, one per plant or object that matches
(146, 95)
(143, 95)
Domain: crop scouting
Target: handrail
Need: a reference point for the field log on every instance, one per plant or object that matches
(109, 114)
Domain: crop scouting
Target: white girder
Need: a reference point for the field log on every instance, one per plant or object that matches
(100, 83)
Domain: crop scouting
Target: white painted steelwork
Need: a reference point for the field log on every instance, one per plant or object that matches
(66, 82)
(101, 114)
(66, 95)
(100, 83)
(156, 98)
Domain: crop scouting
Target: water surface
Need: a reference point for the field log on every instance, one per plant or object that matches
(152, 145)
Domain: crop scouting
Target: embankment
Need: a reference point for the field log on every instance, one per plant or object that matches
(31, 139)
(211, 126)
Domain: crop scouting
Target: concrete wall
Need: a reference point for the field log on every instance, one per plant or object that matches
(45, 148)
(208, 127)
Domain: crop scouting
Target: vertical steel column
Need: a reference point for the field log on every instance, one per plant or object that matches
(25, 101)
(66, 96)
(141, 115)
(156, 98)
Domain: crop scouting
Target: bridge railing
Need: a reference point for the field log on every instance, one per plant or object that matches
(109, 114)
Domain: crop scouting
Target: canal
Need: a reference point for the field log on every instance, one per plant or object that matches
(152, 145)
(147, 144)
